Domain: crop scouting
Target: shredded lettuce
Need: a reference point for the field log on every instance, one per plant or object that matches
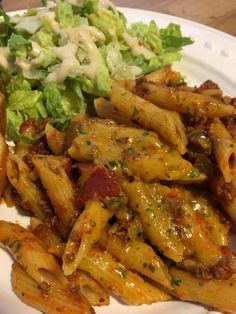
(19, 46)
(95, 27)
(148, 35)
(6, 29)
(64, 14)
(22, 103)
(172, 38)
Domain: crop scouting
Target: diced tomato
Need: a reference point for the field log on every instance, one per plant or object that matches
(101, 183)
(226, 250)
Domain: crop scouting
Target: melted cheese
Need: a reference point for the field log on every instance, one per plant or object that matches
(136, 48)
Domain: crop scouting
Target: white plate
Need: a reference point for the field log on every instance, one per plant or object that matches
(213, 56)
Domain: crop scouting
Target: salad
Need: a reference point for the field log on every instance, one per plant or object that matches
(54, 60)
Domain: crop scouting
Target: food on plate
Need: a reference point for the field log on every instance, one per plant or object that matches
(136, 200)
(56, 59)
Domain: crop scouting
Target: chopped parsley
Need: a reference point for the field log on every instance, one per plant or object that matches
(88, 142)
(176, 282)
(139, 234)
(122, 164)
(116, 202)
(146, 133)
(206, 213)
(194, 174)
(130, 150)
(151, 213)
(121, 271)
(170, 83)
(15, 246)
(82, 132)
(135, 114)
(112, 164)
(180, 80)
(151, 267)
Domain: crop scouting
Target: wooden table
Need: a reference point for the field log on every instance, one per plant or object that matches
(220, 14)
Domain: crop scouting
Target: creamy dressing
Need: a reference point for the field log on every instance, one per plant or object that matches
(4, 58)
(136, 48)
(50, 17)
(83, 34)
(36, 49)
(136, 71)
(69, 63)
(25, 66)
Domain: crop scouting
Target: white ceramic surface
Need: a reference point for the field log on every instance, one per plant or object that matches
(212, 56)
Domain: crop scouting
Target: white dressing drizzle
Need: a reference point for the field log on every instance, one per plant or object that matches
(69, 63)
(4, 58)
(36, 49)
(50, 17)
(136, 48)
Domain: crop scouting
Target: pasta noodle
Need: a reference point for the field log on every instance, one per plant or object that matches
(84, 234)
(59, 188)
(166, 123)
(131, 202)
(57, 301)
(225, 149)
(184, 101)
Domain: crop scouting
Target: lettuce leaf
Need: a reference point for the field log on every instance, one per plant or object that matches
(64, 14)
(21, 105)
(19, 46)
(148, 35)
(6, 29)
(172, 38)
(110, 24)
(118, 68)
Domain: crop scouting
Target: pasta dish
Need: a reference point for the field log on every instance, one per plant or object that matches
(136, 201)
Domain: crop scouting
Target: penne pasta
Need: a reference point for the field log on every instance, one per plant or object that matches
(45, 233)
(157, 221)
(130, 287)
(224, 149)
(166, 123)
(137, 256)
(32, 197)
(3, 119)
(84, 234)
(55, 139)
(32, 255)
(3, 163)
(219, 294)
(190, 213)
(137, 150)
(52, 173)
(92, 290)
(48, 301)
(184, 101)
(106, 110)
(158, 77)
